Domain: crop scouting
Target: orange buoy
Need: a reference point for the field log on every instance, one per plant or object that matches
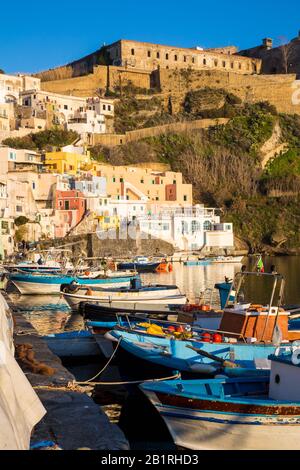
(217, 338)
(206, 337)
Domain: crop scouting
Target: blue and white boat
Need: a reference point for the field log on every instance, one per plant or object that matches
(51, 284)
(177, 354)
(258, 413)
(83, 343)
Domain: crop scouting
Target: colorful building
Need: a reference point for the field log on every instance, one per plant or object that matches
(70, 207)
(67, 162)
(134, 183)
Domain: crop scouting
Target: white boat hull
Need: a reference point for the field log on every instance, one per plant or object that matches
(36, 288)
(128, 301)
(206, 430)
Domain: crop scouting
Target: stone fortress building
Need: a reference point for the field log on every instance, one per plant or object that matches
(147, 56)
(257, 74)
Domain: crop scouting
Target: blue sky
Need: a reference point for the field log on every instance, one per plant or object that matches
(37, 35)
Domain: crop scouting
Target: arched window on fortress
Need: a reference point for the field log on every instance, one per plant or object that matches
(167, 56)
(157, 55)
(193, 60)
(175, 57)
(232, 65)
(224, 63)
(132, 51)
(149, 53)
(204, 62)
(240, 66)
(184, 58)
(216, 63)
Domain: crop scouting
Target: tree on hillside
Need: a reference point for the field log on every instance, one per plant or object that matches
(286, 52)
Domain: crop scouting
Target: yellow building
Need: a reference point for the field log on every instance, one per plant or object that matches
(67, 162)
(107, 222)
(132, 182)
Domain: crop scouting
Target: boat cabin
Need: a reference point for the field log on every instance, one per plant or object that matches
(254, 322)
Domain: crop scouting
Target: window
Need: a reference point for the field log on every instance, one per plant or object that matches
(207, 225)
(184, 58)
(142, 181)
(216, 63)
(224, 63)
(193, 60)
(132, 51)
(149, 53)
(175, 57)
(67, 205)
(121, 180)
(33, 185)
(19, 209)
(185, 197)
(104, 107)
(157, 55)
(204, 62)
(240, 66)
(157, 198)
(65, 106)
(195, 226)
(174, 181)
(167, 56)
(109, 107)
(114, 179)
(232, 65)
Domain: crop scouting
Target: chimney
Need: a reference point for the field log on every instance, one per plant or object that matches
(268, 43)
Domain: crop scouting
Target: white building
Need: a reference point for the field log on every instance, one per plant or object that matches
(187, 229)
(11, 87)
(11, 159)
(83, 115)
(86, 122)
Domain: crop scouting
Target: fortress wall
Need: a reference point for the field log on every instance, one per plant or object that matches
(102, 77)
(111, 140)
(277, 89)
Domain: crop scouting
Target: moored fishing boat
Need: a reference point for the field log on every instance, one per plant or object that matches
(84, 343)
(247, 335)
(227, 259)
(50, 284)
(141, 264)
(135, 294)
(258, 413)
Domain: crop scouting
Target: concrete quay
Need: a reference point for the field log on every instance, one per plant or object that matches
(73, 419)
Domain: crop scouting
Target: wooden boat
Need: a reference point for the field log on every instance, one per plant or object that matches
(78, 344)
(50, 284)
(109, 316)
(258, 413)
(247, 335)
(135, 294)
(141, 264)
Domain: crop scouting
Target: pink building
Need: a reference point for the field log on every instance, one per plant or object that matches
(70, 207)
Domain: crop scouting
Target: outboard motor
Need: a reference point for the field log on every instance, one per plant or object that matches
(135, 283)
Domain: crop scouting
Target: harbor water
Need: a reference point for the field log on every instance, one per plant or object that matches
(126, 405)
